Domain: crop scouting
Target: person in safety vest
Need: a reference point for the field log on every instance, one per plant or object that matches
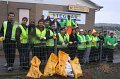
(47, 24)
(81, 46)
(8, 31)
(40, 36)
(75, 23)
(105, 36)
(62, 23)
(62, 40)
(94, 55)
(88, 46)
(69, 24)
(22, 42)
(50, 43)
(111, 44)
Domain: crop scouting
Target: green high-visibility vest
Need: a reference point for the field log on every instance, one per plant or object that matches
(89, 39)
(62, 40)
(40, 35)
(82, 44)
(69, 22)
(94, 41)
(15, 25)
(24, 35)
(50, 42)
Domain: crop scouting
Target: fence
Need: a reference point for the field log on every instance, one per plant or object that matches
(19, 56)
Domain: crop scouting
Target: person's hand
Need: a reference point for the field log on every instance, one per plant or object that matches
(70, 42)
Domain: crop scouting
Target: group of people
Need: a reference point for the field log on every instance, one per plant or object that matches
(43, 39)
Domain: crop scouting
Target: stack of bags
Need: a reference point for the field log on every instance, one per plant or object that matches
(61, 65)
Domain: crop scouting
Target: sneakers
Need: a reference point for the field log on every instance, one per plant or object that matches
(10, 68)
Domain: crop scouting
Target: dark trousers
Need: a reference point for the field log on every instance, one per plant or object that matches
(24, 55)
(72, 51)
(9, 50)
(80, 55)
(94, 54)
(40, 52)
(107, 52)
(50, 49)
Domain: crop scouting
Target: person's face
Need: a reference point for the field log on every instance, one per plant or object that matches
(111, 35)
(62, 20)
(100, 34)
(105, 33)
(74, 31)
(68, 17)
(32, 22)
(47, 23)
(40, 24)
(24, 21)
(90, 32)
(81, 32)
(63, 31)
(11, 17)
(52, 27)
(42, 16)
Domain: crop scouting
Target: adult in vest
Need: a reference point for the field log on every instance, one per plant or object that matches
(50, 43)
(105, 36)
(40, 35)
(88, 46)
(75, 23)
(94, 55)
(111, 44)
(73, 43)
(56, 23)
(47, 24)
(23, 45)
(81, 46)
(62, 40)
(62, 23)
(9, 44)
(69, 24)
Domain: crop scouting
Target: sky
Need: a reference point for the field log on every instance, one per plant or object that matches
(110, 13)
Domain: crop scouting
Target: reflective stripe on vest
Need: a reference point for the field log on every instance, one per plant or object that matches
(50, 42)
(40, 35)
(24, 35)
(15, 25)
(83, 42)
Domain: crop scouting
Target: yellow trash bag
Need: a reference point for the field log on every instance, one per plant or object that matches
(1, 39)
(76, 67)
(60, 68)
(34, 71)
(51, 64)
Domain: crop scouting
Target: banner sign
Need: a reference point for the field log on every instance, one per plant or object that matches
(80, 17)
(78, 8)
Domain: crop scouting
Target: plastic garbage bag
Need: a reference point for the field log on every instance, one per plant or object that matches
(60, 68)
(76, 67)
(51, 64)
(34, 71)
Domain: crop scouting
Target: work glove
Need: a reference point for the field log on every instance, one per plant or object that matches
(109, 43)
(115, 44)
(43, 39)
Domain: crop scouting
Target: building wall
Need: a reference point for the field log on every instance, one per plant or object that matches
(36, 11)
(3, 12)
(57, 2)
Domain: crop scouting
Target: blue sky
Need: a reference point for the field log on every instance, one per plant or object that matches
(110, 13)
